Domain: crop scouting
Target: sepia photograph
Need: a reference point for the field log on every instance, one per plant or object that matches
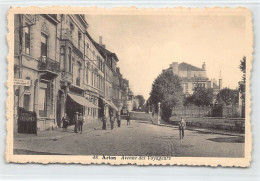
(138, 86)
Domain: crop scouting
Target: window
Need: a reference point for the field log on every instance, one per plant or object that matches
(87, 74)
(87, 49)
(70, 63)
(62, 57)
(27, 87)
(43, 47)
(26, 102)
(79, 72)
(94, 55)
(79, 39)
(92, 77)
(71, 27)
(27, 40)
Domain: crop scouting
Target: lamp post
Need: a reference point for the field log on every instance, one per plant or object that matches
(159, 110)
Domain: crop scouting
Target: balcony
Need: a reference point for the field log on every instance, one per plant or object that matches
(66, 34)
(48, 67)
(66, 76)
(78, 52)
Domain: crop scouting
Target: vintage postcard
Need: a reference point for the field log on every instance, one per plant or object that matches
(129, 86)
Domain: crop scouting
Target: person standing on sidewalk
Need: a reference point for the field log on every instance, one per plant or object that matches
(80, 123)
(182, 126)
(112, 120)
(118, 119)
(76, 121)
(128, 118)
(104, 121)
(65, 122)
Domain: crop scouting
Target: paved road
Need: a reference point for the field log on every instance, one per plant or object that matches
(140, 138)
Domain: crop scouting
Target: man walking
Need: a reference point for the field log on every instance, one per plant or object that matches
(182, 126)
(76, 120)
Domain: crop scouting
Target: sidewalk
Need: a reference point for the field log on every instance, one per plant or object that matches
(154, 120)
(58, 132)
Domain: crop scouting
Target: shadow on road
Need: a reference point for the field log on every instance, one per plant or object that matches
(238, 139)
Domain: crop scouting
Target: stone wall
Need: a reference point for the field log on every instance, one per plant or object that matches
(229, 124)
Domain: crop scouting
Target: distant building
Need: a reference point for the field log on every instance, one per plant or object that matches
(192, 77)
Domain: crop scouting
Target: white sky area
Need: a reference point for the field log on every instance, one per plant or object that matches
(146, 44)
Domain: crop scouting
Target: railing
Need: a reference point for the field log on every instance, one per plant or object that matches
(66, 76)
(66, 34)
(46, 63)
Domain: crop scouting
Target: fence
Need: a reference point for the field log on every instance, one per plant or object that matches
(210, 111)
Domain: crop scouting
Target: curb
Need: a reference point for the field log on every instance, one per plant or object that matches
(56, 137)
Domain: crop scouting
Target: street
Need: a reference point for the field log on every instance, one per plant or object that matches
(140, 138)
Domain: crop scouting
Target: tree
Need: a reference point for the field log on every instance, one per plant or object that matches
(167, 90)
(242, 83)
(140, 99)
(227, 97)
(134, 106)
(201, 97)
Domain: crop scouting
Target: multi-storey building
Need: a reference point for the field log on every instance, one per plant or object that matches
(36, 58)
(69, 72)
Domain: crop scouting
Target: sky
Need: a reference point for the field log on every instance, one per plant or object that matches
(146, 44)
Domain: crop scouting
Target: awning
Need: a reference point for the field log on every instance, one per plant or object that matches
(82, 101)
(110, 103)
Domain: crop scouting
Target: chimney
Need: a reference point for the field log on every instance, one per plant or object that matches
(175, 68)
(100, 40)
(220, 83)
(203, 66)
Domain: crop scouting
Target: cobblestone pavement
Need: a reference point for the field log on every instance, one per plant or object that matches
(139, 138)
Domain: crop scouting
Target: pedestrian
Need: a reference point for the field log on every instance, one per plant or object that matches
(104, 120)
(118, 117)
(112, 119)
(128, 118)
(80, 123)
(65, 122)
(182, 126)
(76, 122)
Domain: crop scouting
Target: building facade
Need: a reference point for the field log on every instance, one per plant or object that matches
(68, 71)
(192, 77)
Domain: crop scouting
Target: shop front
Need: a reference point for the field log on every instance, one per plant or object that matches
(76, 103)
